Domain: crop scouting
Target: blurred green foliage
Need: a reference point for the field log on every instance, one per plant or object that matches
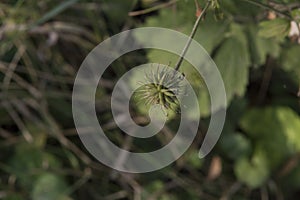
(42, 44)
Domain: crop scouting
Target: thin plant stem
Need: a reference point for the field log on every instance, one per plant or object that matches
(149, 10)
(262, 5)
(196, 25)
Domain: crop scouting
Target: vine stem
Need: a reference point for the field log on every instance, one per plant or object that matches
(275, 10)
(262, 5)
(149, 10)
(196, 25)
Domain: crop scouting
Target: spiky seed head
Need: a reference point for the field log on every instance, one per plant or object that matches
(161, 86)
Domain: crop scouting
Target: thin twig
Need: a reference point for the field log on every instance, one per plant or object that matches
(232, 190)
(289, 165)
(152, 9)
(262, 5)
(264, 193)
(196, 25)
(12, 66)
(122, 157)
(13, 114)
(87, 174)
(285, 7)
(22, 83)
(56, 132)
(118, 195)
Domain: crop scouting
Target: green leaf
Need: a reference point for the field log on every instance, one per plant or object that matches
(193, 159)
(235, 145)
(27, 160)
(152, 187)
(275, 133)
(279, 123)
(253, 172)
(261, 47)
(233, 61)
(278, 28)
(290, 59)
(291, 126)
(49, 187)
(290, 62)
(296, 15)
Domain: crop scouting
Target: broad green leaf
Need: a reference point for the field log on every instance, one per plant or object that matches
(49, 187)
(278, 27)
(291, 126)
(275, 133)
(253, 172)
(279, 123)
(261, 47)
(233, 61)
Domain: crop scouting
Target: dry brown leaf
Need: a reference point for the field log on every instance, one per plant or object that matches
(215, 168)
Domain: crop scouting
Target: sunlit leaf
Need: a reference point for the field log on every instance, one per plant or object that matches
(278, 27)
